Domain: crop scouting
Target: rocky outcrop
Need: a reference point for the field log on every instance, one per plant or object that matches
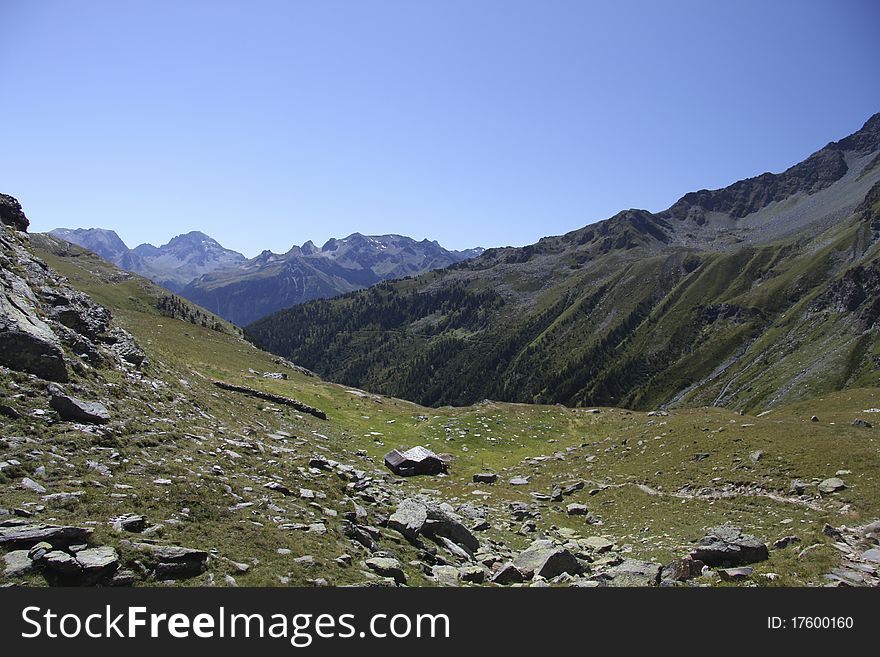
(11, 213)
(27, 343)
(41, 315)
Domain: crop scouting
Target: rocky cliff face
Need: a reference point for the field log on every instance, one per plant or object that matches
(47, 327)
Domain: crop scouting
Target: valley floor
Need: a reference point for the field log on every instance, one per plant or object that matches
(273, 496)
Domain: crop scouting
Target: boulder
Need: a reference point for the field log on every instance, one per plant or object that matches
(445, 575)
(681, 570)
(129, 522)
(97, 564)
(735, 574)
(443, 521)
(472, 574)
(387, 567)
(729, 546)
(61, 564)
(173, 561)
(831, 485)
(72, 409)
(546, 559)
(485, 478)
(577, 509)
(17, 564)
(29, 484)
(632, 572)
(409, 518)
(507, 574)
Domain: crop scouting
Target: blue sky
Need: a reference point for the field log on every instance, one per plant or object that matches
(473, 122)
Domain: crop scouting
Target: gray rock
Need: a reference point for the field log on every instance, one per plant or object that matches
(735, 574)
(39, 550)
(62, 564)
(507, 574)
(129, 522)
(28, 535)
(97, 563)
(728, 546)
(577, 510)
(11, 213)
(632, 572)
(472, 574)
(173, 561)
(863, 424)
(519, 481)
(445, 575)
(785, 541)
(27, 344)
(544, 558)
(29, 484)
(76, 410)
(485, 478)
(681, 570)
(387, 567)
(409, 518)
(278, 488)
(123, 344)
(831, 485)
(442, 521)
(17, 564)
(872, 555)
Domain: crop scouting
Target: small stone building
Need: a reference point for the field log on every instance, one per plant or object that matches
(415, 461)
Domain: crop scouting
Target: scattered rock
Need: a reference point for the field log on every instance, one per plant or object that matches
(173, 561)
(577, 510)
(831, 485)
(785, 541)
(387, 567)
(29, 484)
(519, 481)
(544, 558)
(728, 546)
(735, 574)
(72, 409)
(507, 574)
(129, 522)
(485, 478)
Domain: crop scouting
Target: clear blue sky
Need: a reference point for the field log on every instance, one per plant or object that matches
(266, 124)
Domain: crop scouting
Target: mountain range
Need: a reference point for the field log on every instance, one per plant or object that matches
(762, 292)
(243, 290)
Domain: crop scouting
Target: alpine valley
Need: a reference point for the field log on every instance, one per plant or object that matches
(682, 398)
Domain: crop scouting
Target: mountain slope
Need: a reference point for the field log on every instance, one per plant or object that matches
(748, 296)
(272, 281)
